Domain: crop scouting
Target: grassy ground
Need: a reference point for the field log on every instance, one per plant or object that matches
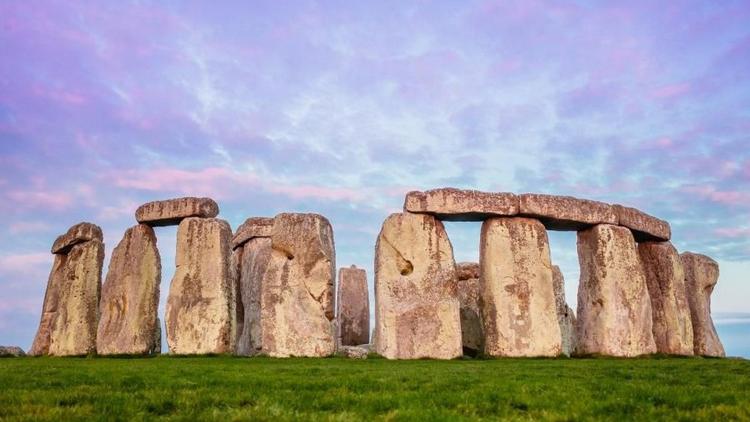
(225, 388)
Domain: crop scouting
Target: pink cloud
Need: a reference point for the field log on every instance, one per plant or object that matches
(28, 227)
(25, 264)
(733, 232)
(318, 192)
(730, 198)
(55, 200)
(671, 91)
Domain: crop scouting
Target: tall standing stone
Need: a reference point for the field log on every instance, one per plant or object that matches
(701, 276)
(353, 307)
(614, 309)
(518, 299)
(200, 317)
(297, 289)
(472, 336)
(416, 302)
(253, 257)
(565, 316)
(665, 278)
(130, 295)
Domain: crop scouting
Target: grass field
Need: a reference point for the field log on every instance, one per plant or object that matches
(226, 388)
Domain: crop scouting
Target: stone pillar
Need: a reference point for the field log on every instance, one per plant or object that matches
(130, 296)
(253, 257)
(472, 336)
(614, 309)
(701, 275)
(565, 316)
(200, 315)
(518, 299)
(665, 278)
(416, 302)
(353, 316)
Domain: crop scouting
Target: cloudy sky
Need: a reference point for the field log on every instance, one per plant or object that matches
(342, 107)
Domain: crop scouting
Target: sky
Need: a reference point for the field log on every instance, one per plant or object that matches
(341, 107)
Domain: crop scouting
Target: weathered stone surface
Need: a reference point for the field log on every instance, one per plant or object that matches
(81, 232)
(252, 227)
(565, 212)
(70, 311)
(518, 299)
(130, 296)
(297, 290)
(353, 352)
(353, 303)
(416, 301)
(172, 211)
(665, 278)
(253, 258)
(472, 336)
(200, 317)
(701, 276)
(614, 310)
(11, 351)
(461, 205)
(644, 226)
(157, 338)
(565, 316)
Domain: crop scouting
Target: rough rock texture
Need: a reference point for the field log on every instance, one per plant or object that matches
(70, 312)
(701, 275)
(297, 290)
(565, 212)
(565, 316)
(416, 301)
(353, 352)
(157, 339)
(665, 278)
(644, 226)
(353, 307)
(172, 211)
(472, 336)
(81, 232)
(201, 304)
(130, 295)
(252, 227)
(614, 310)
(518, 298)
(461, 205)
(11, 351)
(253, 257)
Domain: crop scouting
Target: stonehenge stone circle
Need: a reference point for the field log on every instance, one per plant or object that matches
(472, 335)
(130, 296)
(70, 311)
(665, 278)
(416, 302)
(614, 310)
(352, 307)
(701, 275)
(252, 258)
(172, 211)
(518, 300)
(565, 316)
(200, 316)
(461, 205)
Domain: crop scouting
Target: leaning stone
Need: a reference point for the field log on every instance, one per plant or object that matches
(518, 299)
(614, 310)
(172, 211)
(461, 205)
(565, 212)
(252, 227)
(417, 313)
(565, 316)
(200, 317)
(50, 307)
(81, 232)
(701, 276)
(645, 227)
(130, 296)
(253, 258)
(353, 307)
(353, 352)
(11, 351)
(297, 290)
(665, 278)
(468, 297)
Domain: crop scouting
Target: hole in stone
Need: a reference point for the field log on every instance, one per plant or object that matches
(289, 256)
(408, 268)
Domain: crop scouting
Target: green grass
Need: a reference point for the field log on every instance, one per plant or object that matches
(226, 388)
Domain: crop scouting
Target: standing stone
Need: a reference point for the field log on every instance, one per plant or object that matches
(665, 278)
(701, 275)
(130, 296)
(416, 302)
(297, 290)
(614, 309)
(565, 316)
(353, 316)
(200, 307)
(11, 351)
(253, 257)
(468, 298)
(518, 298)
